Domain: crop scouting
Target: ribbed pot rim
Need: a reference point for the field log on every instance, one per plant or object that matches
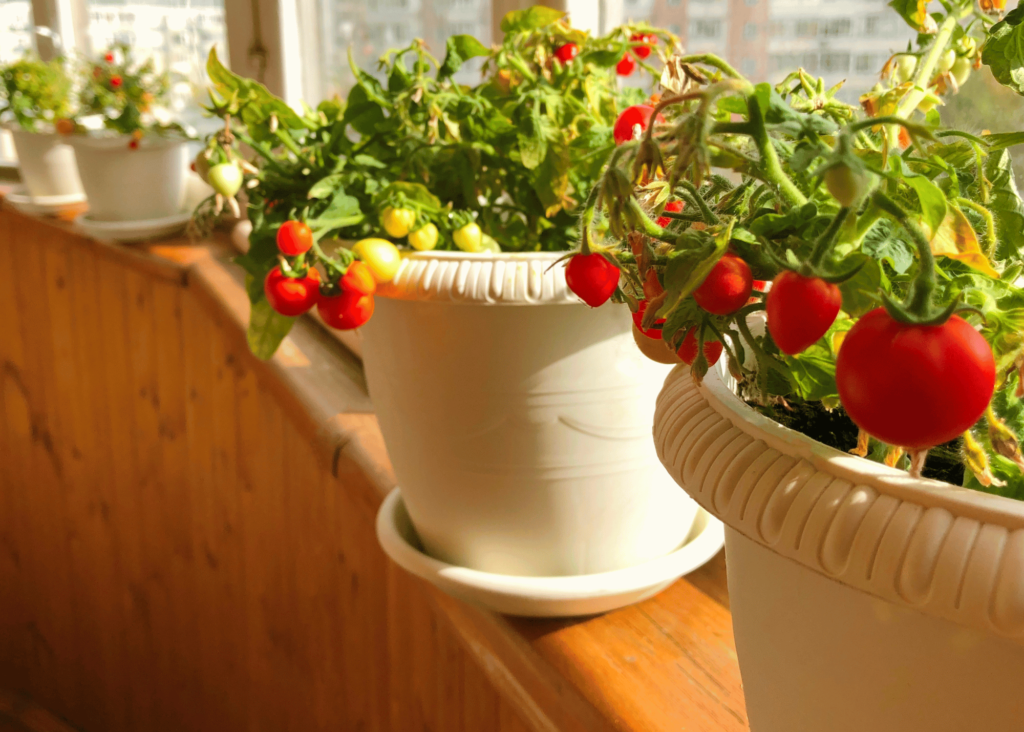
(944, 550)
(892, 481)
(506, 278)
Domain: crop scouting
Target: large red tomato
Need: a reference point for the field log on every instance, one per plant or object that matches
(914, 386)
(638, 114)
(592, 277)
(727, 287)
(292, 296)
(800, 310)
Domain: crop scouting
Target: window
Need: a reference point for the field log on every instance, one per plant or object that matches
(866, 63)
(15, 29)
(371, 32)
(806, 28)
(835, 62)
(837, 27)
(749, 31)
(705, 28)
(748, 67)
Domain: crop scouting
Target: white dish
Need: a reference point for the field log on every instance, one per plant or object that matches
(545, 596)
(20, 200)
(134, 231)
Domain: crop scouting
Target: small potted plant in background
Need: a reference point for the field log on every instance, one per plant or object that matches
(132, 159)
(36, 105)
(520, 455)
(881, 590)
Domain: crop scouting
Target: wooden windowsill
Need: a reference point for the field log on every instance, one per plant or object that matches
(668, 663)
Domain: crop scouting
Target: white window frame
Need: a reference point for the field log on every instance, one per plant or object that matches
(277, 42)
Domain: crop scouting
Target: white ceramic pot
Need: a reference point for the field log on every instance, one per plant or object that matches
(863, 600)
(47, 164)
(514, 416)
(123, 184)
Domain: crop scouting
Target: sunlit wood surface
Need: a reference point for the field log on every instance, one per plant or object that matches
(187, 541)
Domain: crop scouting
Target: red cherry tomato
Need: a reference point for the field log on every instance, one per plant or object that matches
(294, 238)
(626, 66)
(800, 310)
(759, 286)
(292, 296)
(688, 349)
(109, 58)
(345, 311)
(648, 40)
(726, 288)
(592, 277)
(638, 114)
(914, 386)
(638, 318)
(566, 53)
(358, 278)
(115, 81)
(674, 206)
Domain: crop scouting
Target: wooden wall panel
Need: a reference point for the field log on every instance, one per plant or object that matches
(175, 552)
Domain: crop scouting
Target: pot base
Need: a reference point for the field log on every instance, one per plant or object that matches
(21, 200)
(545, 597)
(134, 231)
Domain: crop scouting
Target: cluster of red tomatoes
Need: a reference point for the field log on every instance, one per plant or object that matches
(644, 43)
(913, 384)
(344, 305)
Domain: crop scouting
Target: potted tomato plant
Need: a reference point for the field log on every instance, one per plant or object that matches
(857, 425)
(36, 104)
(517, 450)
(133, 160)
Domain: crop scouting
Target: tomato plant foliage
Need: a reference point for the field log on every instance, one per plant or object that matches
(856, 214)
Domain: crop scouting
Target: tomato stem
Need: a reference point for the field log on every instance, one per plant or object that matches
(770, 159)
(710, 59)
(698, 200)
(828, 237)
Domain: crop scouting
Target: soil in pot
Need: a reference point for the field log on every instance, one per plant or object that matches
(835, 429)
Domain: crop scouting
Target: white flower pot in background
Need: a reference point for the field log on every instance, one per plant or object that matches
(123, 184)
(518, 419)
(863, 600)
(47, 164)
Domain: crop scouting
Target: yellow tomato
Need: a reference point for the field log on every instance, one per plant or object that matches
(469, 238)
(424, 238)
(398, 221)
(381, 256)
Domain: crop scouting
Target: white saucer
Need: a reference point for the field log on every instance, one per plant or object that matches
(20, 200)
(545, 597)
(134, 231)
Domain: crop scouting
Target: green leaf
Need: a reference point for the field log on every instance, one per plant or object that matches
(933, 201)
(342, 205)
(1003, 140)
(813, 373)
(267, 328)
(459, 50)
(915, 12)
(551, 179)
(533, 144)
(526, 20)
(325, 186)
(860, 291)
(1004, 50)
(773, 226)
(1006, 207)
(884, 242)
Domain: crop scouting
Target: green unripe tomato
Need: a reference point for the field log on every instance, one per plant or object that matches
(201, 165)
(424, 238)
(961, 70)
(225, 178)
(946, 61)
(968, 46)
(469, 238)
(490, 244)
(846, 184)
(398, 221)
(903, 68)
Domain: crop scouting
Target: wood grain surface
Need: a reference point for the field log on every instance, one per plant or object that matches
(187, 534)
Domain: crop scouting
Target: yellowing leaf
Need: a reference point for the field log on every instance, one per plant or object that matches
(956, 239)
